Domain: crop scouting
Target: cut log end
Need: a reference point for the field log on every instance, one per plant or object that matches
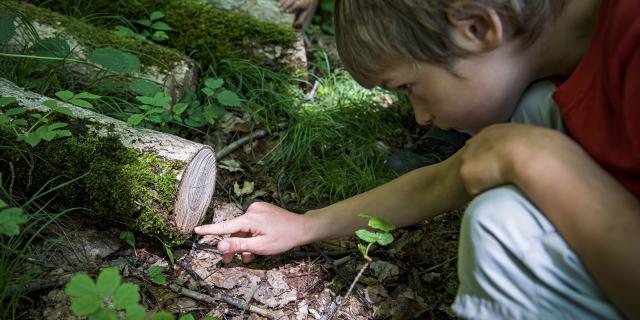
(195, 191)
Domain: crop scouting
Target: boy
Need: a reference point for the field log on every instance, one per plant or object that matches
(553, 226)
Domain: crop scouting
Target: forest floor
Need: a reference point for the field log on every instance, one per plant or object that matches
(412, 278)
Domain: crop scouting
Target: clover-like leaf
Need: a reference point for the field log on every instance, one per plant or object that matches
(382, 238)
(126, 295)
(81, 103)
(135, 312)
(163, 315)
(10, 220)
(155, 274)
(81, 285)
(160, 36)
(128, 237)
(108, 281)
(85, 305)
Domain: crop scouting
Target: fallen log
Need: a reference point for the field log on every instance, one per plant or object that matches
(172, 71)
(155, 183)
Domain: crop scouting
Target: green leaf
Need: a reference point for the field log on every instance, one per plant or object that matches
(179, 108)
(53, 105)
(51, 47)
(213, 113)
(210, 318)
(378, 223)
(228, 98)
(158, 100)
(128, 237)
(213, 83)
(21, 122)
(167, 249)
(81, 103)
(81, 285)
(208, 92)
(135, 312)
(144, 22)
(382, 238)
(155, 273)
(87, 95)
(187, 316)
(125, 31)
(5, 101)
(2, 204)
(7, 28)
(108, 281)
(15, 111)
(160, 36)
(63, 133)
(163, 315)
(65, 95)
(115, 60)
(85, 305)
(56, 125)
(144, 87)
(104, 314)
(159, 25)
(10, 220)
(32, 139)
(135, 119)
(126, 295)
(156, 15)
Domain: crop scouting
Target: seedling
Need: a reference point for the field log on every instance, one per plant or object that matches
(158, 109)
(79, 99)
(382, 237)
(156, 276)
(153, 25)
(11, 219)
(14, 120)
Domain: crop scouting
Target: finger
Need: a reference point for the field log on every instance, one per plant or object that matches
(238, 245)
(224, 227)
(300, 19)
(246, 257)
(287, 5)
(228, 257)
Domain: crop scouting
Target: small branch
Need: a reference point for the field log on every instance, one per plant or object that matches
(258, 134)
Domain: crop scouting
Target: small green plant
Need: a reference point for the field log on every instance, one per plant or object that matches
(128, 237)
(79, 99)
(153, 25)
(156, 276)
(217, 98)
(11, 219)
(13, 120)
(382, 236)
(108, 298)
(158, 110)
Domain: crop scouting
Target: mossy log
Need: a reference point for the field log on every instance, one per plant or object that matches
(173, 71)
(156, 183)
(204, 32)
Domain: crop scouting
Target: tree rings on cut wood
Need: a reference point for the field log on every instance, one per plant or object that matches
(153, 182)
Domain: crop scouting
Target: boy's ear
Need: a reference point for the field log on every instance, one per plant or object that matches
(475, 28)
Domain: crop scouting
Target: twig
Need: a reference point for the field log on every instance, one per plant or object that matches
(258, 134)
(240, 142)
(353, 284)
(342, 276)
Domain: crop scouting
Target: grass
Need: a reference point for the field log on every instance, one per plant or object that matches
(337, 144)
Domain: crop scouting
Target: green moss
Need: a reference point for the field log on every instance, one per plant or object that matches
(93, 37)
(203, 32)
(119, 184)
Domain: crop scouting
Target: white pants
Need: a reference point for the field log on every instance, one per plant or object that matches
(513, 264)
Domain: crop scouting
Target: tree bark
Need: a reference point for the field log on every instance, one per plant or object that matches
(188, 166)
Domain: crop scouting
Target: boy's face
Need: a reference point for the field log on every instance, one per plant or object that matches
(484, 90)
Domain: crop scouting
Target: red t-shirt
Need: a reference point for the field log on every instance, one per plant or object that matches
(600, 101)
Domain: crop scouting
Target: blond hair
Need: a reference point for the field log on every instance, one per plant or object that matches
(371, 34)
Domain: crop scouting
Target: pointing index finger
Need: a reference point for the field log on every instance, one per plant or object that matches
(224, 227)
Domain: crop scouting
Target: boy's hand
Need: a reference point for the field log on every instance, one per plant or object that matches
(264, 229)
(302, 8)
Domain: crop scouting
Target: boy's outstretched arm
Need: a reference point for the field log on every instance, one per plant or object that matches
(595, 214)
(418, 195)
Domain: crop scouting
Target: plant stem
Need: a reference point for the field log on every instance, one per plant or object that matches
(353, 284)
(11, 55)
